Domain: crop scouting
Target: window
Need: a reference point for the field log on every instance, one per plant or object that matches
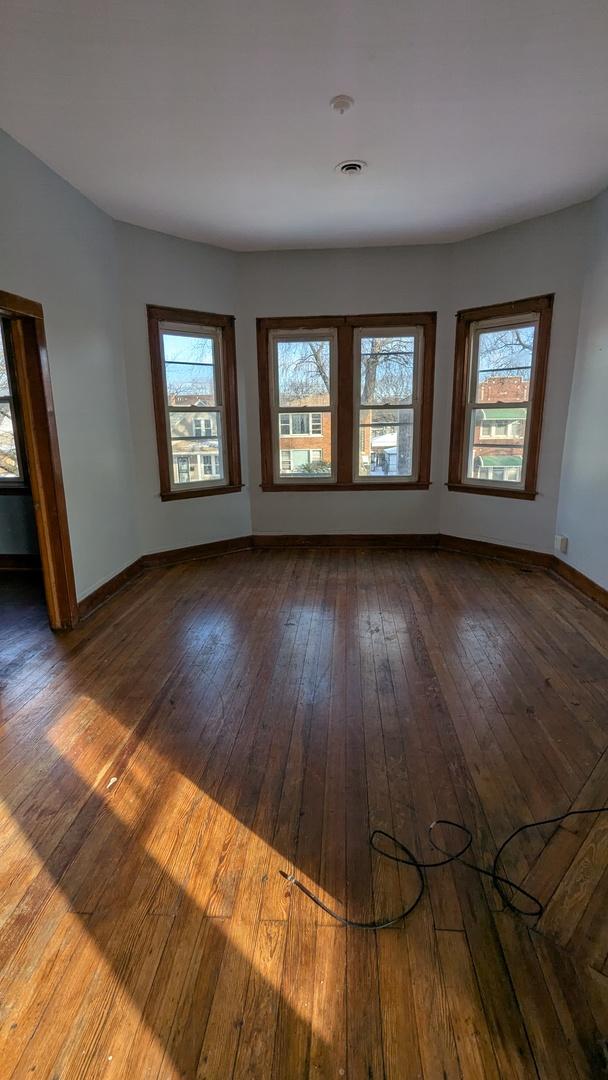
(194, 386)
(387, 401)
(12, 456)
(499, 381)
(346, 402)
(301, 424)
(203, 427)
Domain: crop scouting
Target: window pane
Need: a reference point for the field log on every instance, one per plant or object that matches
(197, 460)
(303, 372)
(386, 441)
(497, 445)
(188, 349)
(9, 464)
(307, 455)
(196, 425)
(504, 364)
(4, 387)
(387, 370)
(190, 384)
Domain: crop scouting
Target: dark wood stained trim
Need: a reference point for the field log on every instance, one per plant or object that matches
(11, 304)
(198, 493)
(24, 561)
(580, 582)
(188, 317)
(344, 410)
(537, 405)
(495, 551)
(344, 325)
(350, 540)
(300, 322)
(543, 306)
(33, 381)
(470, 489)
(394, 318)
(425, 434)
(109, 588)
(508, 307)
(197, 551)
(362, 485)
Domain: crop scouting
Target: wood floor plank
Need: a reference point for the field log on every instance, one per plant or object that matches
(473, 1043)
(219, 721)
(400, 1037)
(328, 1049)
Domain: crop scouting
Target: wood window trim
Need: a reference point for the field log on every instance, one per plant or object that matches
(188, 317)
(542, 307)
(344, 326)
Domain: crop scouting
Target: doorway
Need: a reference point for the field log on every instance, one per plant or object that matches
(30, 450)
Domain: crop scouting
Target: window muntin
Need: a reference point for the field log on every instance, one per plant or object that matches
(303, 400)
(192, 379)
(388, 383)
(12, 469)
(502, 354)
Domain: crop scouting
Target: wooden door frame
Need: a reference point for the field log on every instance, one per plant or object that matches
(32, 375)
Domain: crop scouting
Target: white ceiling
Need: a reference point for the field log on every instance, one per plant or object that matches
(211, 120)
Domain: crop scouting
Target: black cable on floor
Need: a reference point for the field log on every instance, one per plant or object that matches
(499, 880)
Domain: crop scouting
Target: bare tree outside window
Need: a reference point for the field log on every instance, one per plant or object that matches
(387, 369)
(303, 369)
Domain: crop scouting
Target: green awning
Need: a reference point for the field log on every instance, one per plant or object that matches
(499, 460)
(504, 414)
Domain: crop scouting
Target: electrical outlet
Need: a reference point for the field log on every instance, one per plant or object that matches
(561, 544)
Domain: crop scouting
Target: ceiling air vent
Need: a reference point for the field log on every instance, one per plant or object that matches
(351, 168)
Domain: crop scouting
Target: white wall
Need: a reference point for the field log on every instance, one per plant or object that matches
(361, 281)
(546, 255)
(159, 269)
(541, 256)
(56, 248)
(583, 502)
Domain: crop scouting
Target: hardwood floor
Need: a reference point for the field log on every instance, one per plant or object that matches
(221, 720)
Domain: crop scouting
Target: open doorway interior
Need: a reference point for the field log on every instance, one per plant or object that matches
(35, 553)
(18, 537)
(21, 585)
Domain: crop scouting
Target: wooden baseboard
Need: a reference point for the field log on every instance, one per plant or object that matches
(19, 562)
(197, 551)
(522, 556)
(403, 541)
(349, 540)
(580, 582)
(109, 588)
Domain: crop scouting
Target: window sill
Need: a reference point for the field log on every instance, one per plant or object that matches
(501, 493)
(226, 489)
(376, 485)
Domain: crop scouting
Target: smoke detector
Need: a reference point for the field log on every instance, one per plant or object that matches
(341, 103)
(350, 168)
